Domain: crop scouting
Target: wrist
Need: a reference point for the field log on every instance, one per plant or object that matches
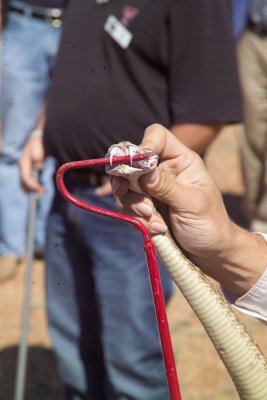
(244, 262)
(238, 262)
(38, 132)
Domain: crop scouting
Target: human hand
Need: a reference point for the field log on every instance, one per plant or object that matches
(195, 206)
(31, 159)
(199, 221)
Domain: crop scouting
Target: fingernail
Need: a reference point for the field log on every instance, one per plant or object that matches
(146, 150)
(143, 209)
(157, 227)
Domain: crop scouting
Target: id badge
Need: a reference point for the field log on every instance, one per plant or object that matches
(118, 32)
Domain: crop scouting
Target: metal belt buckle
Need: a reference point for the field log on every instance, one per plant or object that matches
(54, 17)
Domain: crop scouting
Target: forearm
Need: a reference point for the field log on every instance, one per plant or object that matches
(38, 130)
(41, 119)
(242, 263)
(196, 136)
(33, 155)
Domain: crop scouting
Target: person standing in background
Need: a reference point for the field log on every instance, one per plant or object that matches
(122, 65)
(252, 59)
(30, 39)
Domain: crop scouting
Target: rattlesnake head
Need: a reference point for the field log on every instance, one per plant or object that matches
(134, 169)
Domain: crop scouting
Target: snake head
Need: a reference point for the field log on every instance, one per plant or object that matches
(130, 149)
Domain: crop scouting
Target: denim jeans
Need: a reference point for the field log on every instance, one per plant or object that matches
(240, 11)
(100, 309)
(29, 47)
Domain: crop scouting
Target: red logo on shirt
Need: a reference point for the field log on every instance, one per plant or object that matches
(128, 14)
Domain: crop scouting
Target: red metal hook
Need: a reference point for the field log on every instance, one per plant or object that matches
(150, 255)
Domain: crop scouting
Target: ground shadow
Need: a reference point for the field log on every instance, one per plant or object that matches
(42, 381)
(233, 204)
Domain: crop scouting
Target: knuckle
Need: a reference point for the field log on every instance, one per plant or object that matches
(155, 128)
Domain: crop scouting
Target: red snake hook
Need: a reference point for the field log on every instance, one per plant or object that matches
(150, 255)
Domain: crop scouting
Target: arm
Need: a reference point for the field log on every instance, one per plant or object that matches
(254, 301)
(40, 122)
(203, 76)
(229, 254)
(196, 136)
(33, 156)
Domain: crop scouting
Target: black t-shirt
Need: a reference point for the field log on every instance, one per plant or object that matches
(179, 68)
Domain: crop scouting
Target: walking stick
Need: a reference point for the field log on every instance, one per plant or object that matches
(23, 346)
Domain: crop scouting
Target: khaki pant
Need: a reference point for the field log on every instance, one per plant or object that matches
(252, 55)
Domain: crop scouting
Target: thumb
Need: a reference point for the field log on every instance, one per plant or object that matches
(160, 186)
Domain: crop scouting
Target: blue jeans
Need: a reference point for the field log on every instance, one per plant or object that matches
(29, 47)
(100, 309)
(240, 11)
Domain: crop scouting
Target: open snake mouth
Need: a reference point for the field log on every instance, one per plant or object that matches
(129, 149)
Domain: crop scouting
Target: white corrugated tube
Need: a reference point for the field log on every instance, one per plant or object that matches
(242, 358)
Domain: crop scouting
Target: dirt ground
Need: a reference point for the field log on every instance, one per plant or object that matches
(201, 373)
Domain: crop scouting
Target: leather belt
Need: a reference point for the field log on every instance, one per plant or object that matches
(54, 16)
(257, 28)
(88, 178)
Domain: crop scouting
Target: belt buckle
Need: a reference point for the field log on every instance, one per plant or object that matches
(54, 18)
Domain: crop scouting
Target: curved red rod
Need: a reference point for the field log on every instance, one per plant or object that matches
(150, 255)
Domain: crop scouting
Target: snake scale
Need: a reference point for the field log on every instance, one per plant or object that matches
(241, 356)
